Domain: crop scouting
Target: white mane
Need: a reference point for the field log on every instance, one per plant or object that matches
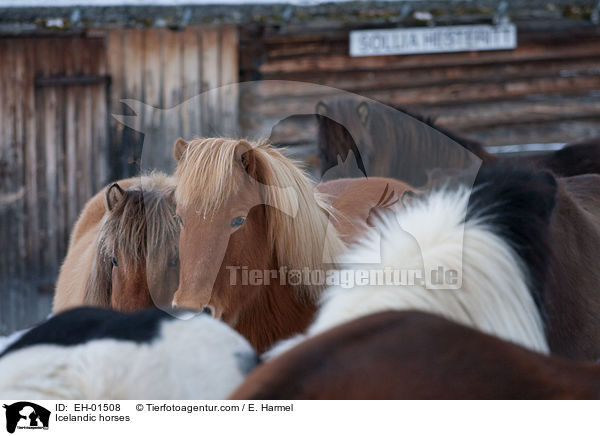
(494, 296)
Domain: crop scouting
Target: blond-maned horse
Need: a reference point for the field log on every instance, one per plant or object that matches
(251, 222)
(123, 248)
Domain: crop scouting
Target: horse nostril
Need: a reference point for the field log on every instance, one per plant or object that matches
(207, 310)
(173, 305)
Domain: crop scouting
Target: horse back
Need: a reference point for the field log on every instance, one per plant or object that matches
(415, 355)
(355, 198)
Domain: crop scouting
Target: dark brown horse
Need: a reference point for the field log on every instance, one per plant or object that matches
(396, 143)
(571, 296)
(414, 355)
(386, 142)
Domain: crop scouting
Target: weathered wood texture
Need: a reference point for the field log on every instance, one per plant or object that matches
(54, 155)
(59, 142)
(547, 90)
(160, 74)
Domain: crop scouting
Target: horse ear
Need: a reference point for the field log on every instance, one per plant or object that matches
(363, 112)
(321, 109)
(179, 148)
(114, 193)
(246, 157)
(407, 197)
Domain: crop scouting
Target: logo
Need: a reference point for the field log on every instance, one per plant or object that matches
(26, 415)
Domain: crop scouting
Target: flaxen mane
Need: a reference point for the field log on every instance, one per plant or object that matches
(139, 228)
(206, 178)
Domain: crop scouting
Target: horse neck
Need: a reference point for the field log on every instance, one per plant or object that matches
(278, 312)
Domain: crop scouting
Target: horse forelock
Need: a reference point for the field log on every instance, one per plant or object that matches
(205, 174)
(141, 227)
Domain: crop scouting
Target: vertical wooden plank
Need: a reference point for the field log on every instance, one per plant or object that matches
(19, 186)
(83, 109)
(191, 70)
(31, 159)
(24, 303)
(4, 150)
(172, 93)
(133, 73)
(115, 61)
(61, 230)
(6, 312)
(153, 98)
(42, 51)
(210, 80)
(8, 186)
(50, 157)
(229, 95)
(70, 139)
(100, 128)
(5, 158)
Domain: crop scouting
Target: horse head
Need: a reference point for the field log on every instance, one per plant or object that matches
(242, 208)
(137, 263)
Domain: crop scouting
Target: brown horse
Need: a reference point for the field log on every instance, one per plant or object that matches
(415, 355)
(247, 211)
(356, 200)
(123, 249)
(396, 143)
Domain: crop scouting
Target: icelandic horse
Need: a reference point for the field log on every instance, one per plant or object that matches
(123, 249)
(245, 207)
(397, 355)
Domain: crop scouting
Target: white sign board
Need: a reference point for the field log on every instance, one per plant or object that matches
(381, 42)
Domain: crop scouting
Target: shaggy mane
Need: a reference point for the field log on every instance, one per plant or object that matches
(139, 229)
(207, 176)
(495, 296)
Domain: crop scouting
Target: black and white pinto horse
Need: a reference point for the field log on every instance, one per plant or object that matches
(495, 233)
(90, 353)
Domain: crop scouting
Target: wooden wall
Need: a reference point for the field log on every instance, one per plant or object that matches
(59, 141)
(53, 156)
(547, 90)
(164, 70)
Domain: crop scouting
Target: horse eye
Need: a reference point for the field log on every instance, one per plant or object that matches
(173, 261)
(237, 221)
(114, 261)
(179, 220)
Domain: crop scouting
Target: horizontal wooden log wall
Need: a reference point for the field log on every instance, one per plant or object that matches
(547, 90)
